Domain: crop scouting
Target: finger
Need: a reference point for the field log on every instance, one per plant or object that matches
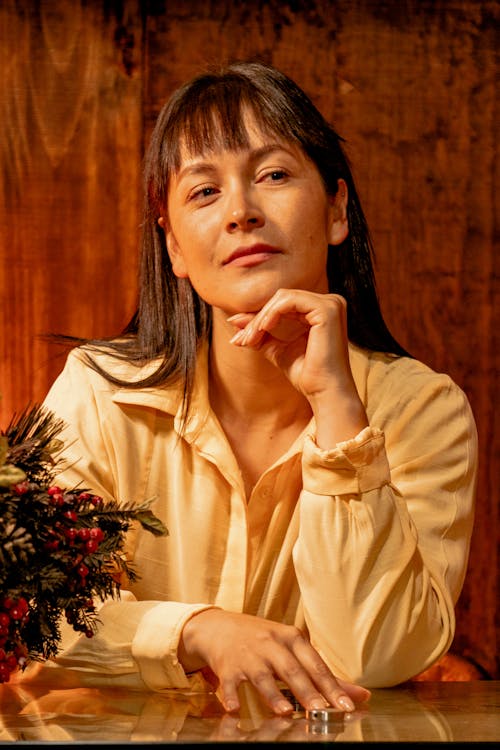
(248, 337)
(240, 320)
(303, 688)
(227, 693)
(340, 694)
(283, 328)
(265, 684)
(289, 301)
(291, 668)
(310, 307)
(357, 692)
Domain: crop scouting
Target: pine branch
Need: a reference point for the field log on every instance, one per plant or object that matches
(32, 442)
(59, 548)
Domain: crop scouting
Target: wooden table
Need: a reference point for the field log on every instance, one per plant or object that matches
(40, 711)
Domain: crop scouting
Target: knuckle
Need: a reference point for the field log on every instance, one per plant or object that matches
(337, 301)
(295, 633)
(228, 684)
(261, 678)
(282, 294)
(322, 670)
(293, 670)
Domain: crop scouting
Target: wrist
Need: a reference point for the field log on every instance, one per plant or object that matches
(189, 650)
(338, 419)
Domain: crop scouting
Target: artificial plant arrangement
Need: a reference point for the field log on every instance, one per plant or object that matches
(61, 549)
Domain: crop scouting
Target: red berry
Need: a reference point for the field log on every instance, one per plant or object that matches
(23, 604)
(82, 570)
(57, 499)
(4, 672)
(54, 490)
(97, 533)
(96, 500)
(4, 620)
(16, 613)
(70, 533)
(21, 488)
(91, 545)
(89, 633)
(71, 515)
(84, 534)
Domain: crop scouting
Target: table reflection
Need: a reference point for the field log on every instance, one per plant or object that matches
(55, 710)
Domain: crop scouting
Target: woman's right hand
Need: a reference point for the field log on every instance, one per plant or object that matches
(239, 648)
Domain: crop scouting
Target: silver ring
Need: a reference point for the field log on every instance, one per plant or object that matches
(324, 714)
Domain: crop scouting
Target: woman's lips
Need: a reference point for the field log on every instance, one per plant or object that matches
(251, 256)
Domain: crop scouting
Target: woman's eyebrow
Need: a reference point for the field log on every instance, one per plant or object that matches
(202, 166)
(194, 168)
(269, 148)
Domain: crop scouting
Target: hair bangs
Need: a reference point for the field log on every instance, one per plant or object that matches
(213, 119)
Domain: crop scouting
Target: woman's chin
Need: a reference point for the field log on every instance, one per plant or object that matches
(241, 302)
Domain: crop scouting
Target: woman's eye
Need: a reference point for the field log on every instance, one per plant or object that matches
(204, 192)
(276, 175)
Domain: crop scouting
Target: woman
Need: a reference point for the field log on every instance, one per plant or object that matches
(317, 482)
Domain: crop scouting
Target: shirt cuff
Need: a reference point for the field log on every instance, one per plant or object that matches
(156, 641)
(352, 467)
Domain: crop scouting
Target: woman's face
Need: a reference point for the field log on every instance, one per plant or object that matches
(242, 224)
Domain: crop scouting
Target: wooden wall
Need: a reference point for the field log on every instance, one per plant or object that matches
(410, 84)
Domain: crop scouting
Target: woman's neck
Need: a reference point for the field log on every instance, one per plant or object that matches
(260, 411)
(244, 384)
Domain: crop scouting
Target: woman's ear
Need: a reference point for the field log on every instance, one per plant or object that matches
(173, 249)
(338, 224)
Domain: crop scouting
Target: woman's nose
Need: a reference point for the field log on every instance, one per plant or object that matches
(244, 215)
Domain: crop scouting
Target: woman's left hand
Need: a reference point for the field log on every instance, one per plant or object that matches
(305, 335)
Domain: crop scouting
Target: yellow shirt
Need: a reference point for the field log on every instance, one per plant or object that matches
(365, 545)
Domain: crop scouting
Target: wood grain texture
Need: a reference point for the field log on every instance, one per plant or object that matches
(70, 150)
(412, 86)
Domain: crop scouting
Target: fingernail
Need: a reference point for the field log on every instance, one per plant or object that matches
(236, 316)
(318, 703)
(283, 707)
(230, 706)
(237, 336)
(345, 703)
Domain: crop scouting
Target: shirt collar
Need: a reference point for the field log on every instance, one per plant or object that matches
(168, 398)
